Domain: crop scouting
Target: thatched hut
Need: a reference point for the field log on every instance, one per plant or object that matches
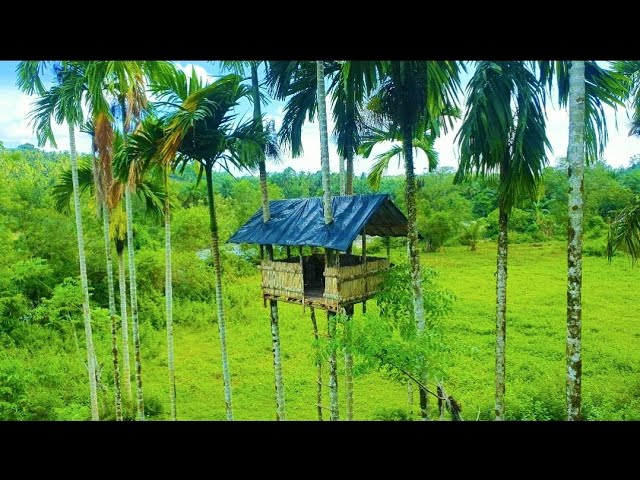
(334, 279)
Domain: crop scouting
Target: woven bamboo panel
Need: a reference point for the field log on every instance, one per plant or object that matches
(282, 278)
(356, 282)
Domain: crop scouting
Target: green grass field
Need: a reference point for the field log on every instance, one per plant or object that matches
(535, 345)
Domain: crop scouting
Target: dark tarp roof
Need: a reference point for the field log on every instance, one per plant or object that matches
(300, 221)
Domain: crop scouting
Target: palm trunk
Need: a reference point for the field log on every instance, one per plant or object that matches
(275, 328)
(133, 292)
(412, 248)
(93, 387)
(343, 179)
(333, 369)
(575, 159)
(348, 362)
(277, 361)
(257, 117)
(349, 186)
(215, 252)
(324, 144)
(328, 218)
(112, 312)
(134, 303)
(318, 365)
(122, 284)
(501, 311)
(168, 295)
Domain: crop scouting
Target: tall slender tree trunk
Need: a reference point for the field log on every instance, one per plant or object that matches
(412, 250)
(277, 361)
(333, 368)
(575, 159)
(215, 252)
(328, 218)
(134, 303)
(168, 296)
(112, 312)
(324, 144)
(343, 179)
(348, 361)
(91, 366)
(318, 365)
(501, 310)
(133, 291)
(266, 215)
(349, 183)
(122, 287)
(257, 117)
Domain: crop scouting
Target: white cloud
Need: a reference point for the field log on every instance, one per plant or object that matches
(16, 130)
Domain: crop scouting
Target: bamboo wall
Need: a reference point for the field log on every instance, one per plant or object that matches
(355, 282)
(282, 278)
(343, 284)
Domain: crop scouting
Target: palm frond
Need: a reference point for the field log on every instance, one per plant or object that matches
(62, 191)
(624, 232)
(503, 131)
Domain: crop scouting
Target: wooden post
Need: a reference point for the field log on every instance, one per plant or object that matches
(288, 251)
(388, 240)
(261, 252)
(277, 360)
(364, 263)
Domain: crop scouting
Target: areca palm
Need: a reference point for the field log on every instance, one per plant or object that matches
(202, 128)
(349, 84)
(503, 135)
(62, 102)
(270, 150)
(412, 97)
(152, 196)
(126, 81)
(144, 148)
(586, 88)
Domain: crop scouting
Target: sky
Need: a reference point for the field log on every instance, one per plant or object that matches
(16, 130)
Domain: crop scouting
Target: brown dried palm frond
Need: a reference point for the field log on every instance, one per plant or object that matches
(103, 137)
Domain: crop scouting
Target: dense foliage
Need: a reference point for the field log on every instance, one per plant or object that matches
(42, 361)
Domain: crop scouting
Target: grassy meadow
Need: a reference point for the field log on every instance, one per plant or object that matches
(535, 345)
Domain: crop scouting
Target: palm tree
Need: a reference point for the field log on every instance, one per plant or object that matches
(117, 232)
(503, 133)
(151, 195)
(586, 87)
(271, 150)
(412, 97)
(350, 82)
(143, 148)
(201, 127)
(63, 102)
(124, 82)
(575, 160)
